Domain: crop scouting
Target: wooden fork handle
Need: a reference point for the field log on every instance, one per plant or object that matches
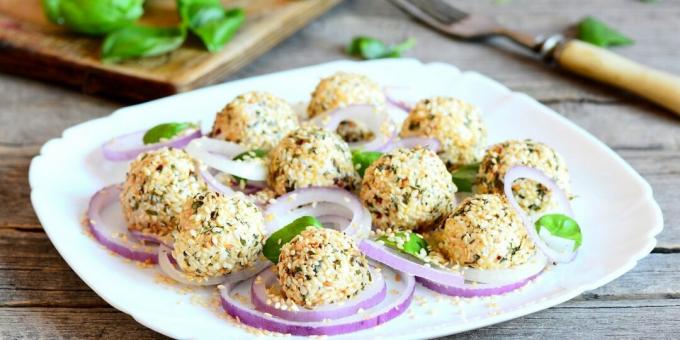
(600, 64)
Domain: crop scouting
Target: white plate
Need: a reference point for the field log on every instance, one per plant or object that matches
(615, 206)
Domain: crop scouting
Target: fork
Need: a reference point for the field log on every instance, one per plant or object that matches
(573, 55)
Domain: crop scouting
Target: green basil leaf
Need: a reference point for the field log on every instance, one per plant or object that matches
(371, 48)
(215, 34)
(141, 41)
(166, 131)
(464, 177)
(250, 154)
(363, 159)
(409, 243)
(598, 33)
(273, 244)
(214, 25)
(561, 226)
(93, 17)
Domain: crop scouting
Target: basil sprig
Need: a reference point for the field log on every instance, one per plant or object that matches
(211, 22)
(166, 131)
(411, 243)
(363, 159)
(273, 244)
(371, 48)
(464, 177)
(561, 226)
(141, 41)
(93, 17)
(600, 34)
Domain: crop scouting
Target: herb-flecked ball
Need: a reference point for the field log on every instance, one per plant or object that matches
(322, 266)
(218, 234)
(483, 232)
(408, 189)
(343, 89)
(311, 156)
(256, 120)
(156, 186)
(531, 196)
(457, 125)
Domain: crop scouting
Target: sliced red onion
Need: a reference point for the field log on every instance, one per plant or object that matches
(108, 235)
(367, 298)
(218, 154)
(334, 221)
(127, 147)
(391, 307)
(523, 172)
(474, 289)
(412, 142)
(280, 212)
(214, 183)
(407, 263)
(531, 268)
(398, 96)
(169, 266)
(378, 122)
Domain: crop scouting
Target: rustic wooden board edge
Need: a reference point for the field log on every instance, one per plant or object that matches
(92, 78)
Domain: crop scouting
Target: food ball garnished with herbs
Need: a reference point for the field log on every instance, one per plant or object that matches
(311, 156)
(531, 196)
(256, 120)
(344, 89)
(457, 125)
(155, 189)
(483, 232)
(218, 235)
(322, 266)
(408, 189)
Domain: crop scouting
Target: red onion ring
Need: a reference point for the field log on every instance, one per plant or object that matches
(378, 122)
(214, 183)
(519, 172)
(473, 289)
(218, 154)
(398, 261)
(390, 308)
(531, 268)
(396, 100)
(367, 298)
(412, 142)
(169, 267)
(102, 232)
(127, 147)
(278, 213)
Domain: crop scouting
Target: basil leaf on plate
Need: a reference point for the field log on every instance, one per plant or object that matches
(598, 33)
(273, 244)
(93, 17)
(214, 25)
(363, 159)
(166, 131)
(141, 41)
(464, 177)
(562, 226)
(372, 48)
(409, 243)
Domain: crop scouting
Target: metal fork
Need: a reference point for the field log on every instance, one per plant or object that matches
(579, 57)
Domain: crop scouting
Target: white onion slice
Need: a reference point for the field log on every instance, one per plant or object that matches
(127, 147)
(378, 122)
(218, 154)
(370, 296)
(523, 172)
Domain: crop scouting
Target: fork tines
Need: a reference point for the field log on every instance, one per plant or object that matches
(439, 10)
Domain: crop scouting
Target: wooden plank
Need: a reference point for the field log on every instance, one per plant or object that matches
(31, 46)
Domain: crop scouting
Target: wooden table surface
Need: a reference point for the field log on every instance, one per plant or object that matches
(41, 297)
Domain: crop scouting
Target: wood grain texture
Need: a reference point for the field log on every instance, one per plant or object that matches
(31, 46)
(41, 297)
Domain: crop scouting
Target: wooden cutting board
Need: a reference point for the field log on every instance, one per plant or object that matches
(32, 46)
